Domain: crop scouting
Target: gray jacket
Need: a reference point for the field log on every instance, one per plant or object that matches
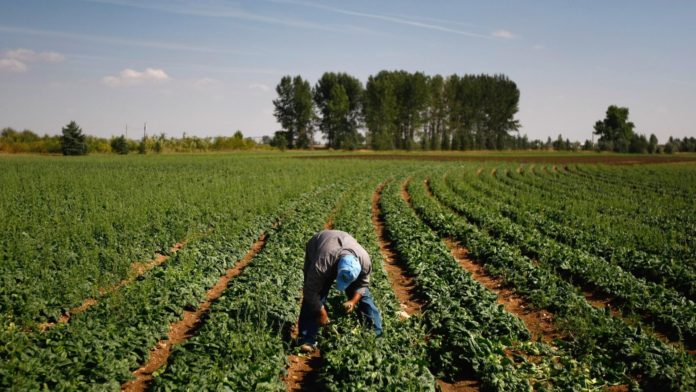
(321, 265)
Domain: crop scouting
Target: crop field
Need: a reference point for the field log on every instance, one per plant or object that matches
(500, 272)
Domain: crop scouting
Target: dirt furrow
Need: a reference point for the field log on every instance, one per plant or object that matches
(136, 270)
(464, 385)
(183, 329)
(401, 282)
(593, 297)
(539, 322)
(303, 371)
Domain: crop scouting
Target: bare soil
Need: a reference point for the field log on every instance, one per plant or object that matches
(183, 329)
(136, 269)
(402, 283)
(539, 322)
(303, 371)
(459, 386)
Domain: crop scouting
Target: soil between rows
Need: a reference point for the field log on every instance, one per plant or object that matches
(401, 281)
(539, 322)
(593, 297)
(183, 329)
(464, 385)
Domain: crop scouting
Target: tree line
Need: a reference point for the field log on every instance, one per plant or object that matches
(398, 110)
(72, 141)
(403, 110)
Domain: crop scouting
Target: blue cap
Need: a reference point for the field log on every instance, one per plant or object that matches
(348, 271)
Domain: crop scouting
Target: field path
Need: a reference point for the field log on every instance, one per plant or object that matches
(303, 371)
(183, 329)
(401, 282)
(136, 270)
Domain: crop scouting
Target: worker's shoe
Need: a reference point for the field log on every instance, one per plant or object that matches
(308, 348)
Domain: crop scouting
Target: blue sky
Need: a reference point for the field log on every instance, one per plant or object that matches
(209, 67)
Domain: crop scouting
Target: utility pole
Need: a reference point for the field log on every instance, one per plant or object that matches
(145, 130)
(126, 130)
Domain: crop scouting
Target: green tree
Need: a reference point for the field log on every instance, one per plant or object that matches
(294, 110)
(73, 140)
(338, 97)
(436, 114)
(652, 144)
(615, 131)
(380, 111)
(119, 145)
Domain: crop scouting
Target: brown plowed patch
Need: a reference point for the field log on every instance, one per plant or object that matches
(539, 322)
(136, 269)
(600, 301)
(183, 329)
(459, 386)
(302, 373)
(401, 282)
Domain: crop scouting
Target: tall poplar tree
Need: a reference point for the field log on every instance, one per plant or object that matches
(338, 97)
(294, 110)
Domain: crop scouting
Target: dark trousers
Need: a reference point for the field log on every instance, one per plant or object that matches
(309, 327)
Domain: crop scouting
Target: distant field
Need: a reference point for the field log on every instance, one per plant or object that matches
(519, 270)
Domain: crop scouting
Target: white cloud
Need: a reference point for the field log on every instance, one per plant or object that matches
(16, 60)
(28, 55)
(12, 65)
(504, 34)
(260, 86)
(131, 77)
(538, 47)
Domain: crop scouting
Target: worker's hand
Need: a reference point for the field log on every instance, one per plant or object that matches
(323, 317)
(349, 306)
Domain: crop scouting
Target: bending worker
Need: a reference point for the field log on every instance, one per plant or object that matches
(334, 255)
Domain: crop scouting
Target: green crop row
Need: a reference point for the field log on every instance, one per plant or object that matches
(674, 182)
(656, 304)
(517, 207)
(72, 227)
(353, 359)
(615, 351)
(470, 331)
(243, 344)
(99, 348)
(623, 217)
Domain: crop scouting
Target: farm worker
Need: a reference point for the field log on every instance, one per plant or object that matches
(334, 255)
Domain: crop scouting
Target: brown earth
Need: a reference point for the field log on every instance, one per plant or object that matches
(402, 283)
(136, 269)
(459, 386)
(539, 322)
(183, 329)
(579, 158)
